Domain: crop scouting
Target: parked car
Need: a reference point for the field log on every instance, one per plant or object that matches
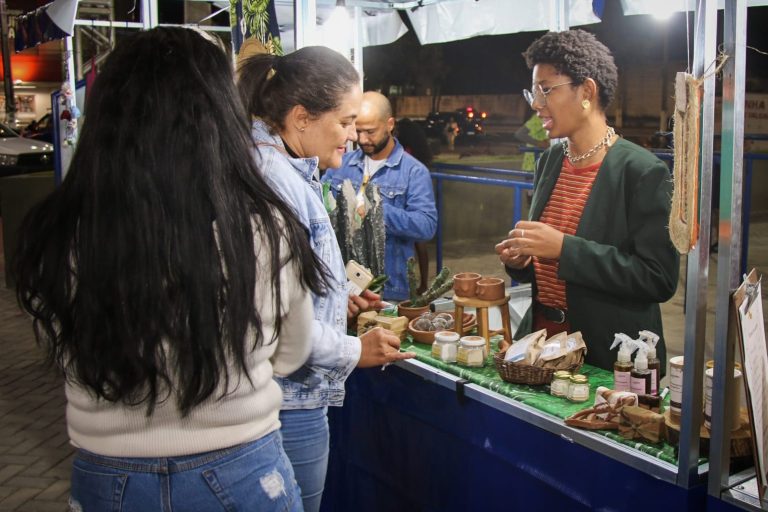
(19, 155)
(470, 123)
(41, 130)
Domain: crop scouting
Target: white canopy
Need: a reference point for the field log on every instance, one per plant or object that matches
(666, 7)
(434, 21)
(461, 19)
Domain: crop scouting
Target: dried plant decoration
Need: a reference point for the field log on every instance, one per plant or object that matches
(684, 217)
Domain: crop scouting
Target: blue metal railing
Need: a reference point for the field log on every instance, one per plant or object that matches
(521, 180)
(746, 206)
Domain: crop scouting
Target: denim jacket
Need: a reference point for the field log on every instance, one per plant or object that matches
(320, 382)
(409, 208)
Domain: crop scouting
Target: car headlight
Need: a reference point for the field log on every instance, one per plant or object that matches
(8, 159)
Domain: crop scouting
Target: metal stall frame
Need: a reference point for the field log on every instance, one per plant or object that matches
(697, 267)
(739, 489)
(688, 472)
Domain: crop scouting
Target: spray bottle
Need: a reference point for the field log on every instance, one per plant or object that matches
(640, 377)
(654, 364)
(622, 368)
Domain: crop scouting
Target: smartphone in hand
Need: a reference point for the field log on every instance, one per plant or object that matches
(358, 277)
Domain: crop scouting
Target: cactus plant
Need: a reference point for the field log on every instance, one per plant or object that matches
(439, 285)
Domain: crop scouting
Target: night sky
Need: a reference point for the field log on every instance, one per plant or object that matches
(494, 65)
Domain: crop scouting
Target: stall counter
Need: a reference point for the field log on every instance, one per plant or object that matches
(421, 436)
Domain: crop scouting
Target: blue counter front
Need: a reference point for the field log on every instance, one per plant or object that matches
(413, 438)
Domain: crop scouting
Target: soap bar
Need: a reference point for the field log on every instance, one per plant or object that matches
(393, 324)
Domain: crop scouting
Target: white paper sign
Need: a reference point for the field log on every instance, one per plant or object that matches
(755, 361)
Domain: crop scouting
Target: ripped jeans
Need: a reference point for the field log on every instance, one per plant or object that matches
(250, 476)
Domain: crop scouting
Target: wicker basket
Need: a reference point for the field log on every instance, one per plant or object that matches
(522, 373)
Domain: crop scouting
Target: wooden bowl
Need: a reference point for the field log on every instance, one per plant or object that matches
(429, 336)
(405, 309)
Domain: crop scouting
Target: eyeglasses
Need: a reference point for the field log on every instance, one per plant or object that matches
(540, 93)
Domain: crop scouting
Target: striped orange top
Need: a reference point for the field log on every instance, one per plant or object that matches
(562, 212)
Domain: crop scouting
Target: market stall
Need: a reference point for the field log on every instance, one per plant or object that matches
(421, 437)
(415, 437)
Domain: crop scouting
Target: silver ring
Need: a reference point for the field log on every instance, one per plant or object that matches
(522, 233)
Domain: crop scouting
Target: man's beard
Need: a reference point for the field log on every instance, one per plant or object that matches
(377, 148)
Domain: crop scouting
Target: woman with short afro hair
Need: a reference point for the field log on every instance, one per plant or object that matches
(596, 248)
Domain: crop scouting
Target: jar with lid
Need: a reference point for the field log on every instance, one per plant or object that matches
(560, 383)
(445, 346)
(471, 351)
(578, 391)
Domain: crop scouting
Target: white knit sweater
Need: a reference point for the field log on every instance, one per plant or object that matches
(245, 414)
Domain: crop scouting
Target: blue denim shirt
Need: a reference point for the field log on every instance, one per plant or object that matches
(409, 208)
(320, 382)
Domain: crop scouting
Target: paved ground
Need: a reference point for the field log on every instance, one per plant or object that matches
(35, 455)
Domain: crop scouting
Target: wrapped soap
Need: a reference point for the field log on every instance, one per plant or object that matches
(651, 402)
(638, 423)
(615, 399)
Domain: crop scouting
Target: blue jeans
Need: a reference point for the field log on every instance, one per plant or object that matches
(250, 476)
(305, 439)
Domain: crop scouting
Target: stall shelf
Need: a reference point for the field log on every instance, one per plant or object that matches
(418, 437)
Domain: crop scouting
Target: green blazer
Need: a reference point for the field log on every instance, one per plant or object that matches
(620, 264)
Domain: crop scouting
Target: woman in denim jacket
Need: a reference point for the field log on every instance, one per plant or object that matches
(304, 107)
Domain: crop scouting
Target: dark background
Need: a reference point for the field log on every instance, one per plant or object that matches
(494, 65)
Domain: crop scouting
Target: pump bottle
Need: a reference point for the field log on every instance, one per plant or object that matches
(640, 377)
(622, 368)
(654, 364)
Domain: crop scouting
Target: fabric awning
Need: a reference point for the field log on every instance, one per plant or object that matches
(52, 21)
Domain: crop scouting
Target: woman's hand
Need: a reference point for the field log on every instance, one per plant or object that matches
(379, 347)
(366, 301)
(509, 253)
(529, 239)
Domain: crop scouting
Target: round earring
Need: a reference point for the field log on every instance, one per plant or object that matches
(301, 129)
(585, 104)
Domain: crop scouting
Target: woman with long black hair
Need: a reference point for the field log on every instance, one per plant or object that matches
(169, 282)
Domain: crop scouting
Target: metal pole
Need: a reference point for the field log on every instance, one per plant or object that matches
(70, 63)
(558, 15)
(439, 239)
(304, 20)
(10, 97)
(558, 22)
(357, 44)
(153, 16)
(664, 114)
(729, 242)
(236, 14)
(79, 52)
(149, 14)
(518, 208)
(747, 201)
(698, 259)
(146, 15)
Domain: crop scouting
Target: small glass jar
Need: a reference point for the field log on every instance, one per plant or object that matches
(471, 351)
(578, 391)
(445, 346)
(561, 382)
